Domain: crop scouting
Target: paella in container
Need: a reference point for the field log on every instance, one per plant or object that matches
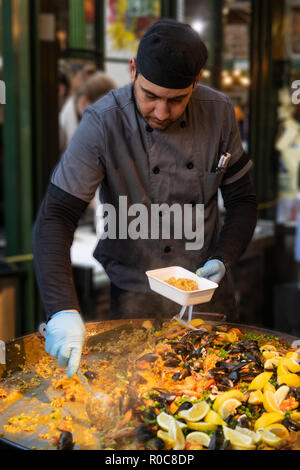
(153, 385)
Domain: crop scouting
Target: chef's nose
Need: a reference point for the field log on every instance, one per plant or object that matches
(162, 111)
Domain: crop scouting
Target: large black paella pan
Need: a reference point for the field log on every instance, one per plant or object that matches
(149, 386)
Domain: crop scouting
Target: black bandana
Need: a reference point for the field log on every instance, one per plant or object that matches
(171, 54)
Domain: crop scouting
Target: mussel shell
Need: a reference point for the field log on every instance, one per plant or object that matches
(222, 365)
(148, 357)
(149, 413)
(180, 348)
(164, 396)
(155, 444)
(169, 355)
(144, 432)
(291, 424)
(234, 376)
(295, 392)
(182, 374)
(65, 441)
(217, 440)
(90, 374)
(186, 405)
(243, 421)
(176, 376)
(172, 362)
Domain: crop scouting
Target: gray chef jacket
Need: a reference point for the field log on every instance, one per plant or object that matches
(115, 148)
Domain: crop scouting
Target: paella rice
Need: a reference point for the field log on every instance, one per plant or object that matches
(169, 388)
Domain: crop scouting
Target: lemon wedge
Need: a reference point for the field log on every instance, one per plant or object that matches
(243, 447)
(279, 430)
(270, 354)
(268, 418)
(164, 421)
(280, 394)
(200, 437)
(225, 396)
(286, 365)
(177, 436)
(255, 397)
(214, 418)
(293, 355)
(230, 337)
(165, 436)
(236, 437)
(269, 438)
(271, 363)
(269, 387)
(248, 432)
(267, 347)
(260, 381)
(196, 412)
(201, 426)
(228, 407)
(269, 402)
(293, 380)
(196, 322)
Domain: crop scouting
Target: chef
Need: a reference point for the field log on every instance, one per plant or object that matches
(157, 141)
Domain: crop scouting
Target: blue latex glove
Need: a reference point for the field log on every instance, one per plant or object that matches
(214, 270)
(64, 339)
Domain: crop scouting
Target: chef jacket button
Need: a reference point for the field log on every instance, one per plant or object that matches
(167, 249)
(149, 128)
(190, 166)
(156, 170)
(183, 124)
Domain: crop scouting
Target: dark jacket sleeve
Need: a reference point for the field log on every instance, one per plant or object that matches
(240, 220)
(53, 234)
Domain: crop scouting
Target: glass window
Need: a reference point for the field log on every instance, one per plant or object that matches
(126, 22)
(236, 60)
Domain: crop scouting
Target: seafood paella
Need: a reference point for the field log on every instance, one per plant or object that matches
(158, 388)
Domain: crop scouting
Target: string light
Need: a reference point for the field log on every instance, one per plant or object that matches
(245, 81)
(237, 72)
(206, 73)
(198, 25)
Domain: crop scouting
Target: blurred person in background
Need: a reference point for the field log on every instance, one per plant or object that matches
(95, 87)
(69, 116)
(64, 87)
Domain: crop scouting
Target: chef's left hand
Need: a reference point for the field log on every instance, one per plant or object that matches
(214, 270)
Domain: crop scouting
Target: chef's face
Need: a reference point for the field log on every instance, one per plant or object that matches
(159, 106)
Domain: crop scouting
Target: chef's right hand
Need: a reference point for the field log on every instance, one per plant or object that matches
(64, 339)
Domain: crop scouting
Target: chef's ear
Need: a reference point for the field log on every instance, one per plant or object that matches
(132, 67)
(197, 79)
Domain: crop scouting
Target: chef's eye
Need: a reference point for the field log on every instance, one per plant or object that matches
(150, 97)
(176, 100)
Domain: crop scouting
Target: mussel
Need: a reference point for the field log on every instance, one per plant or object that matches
(144, 432)
(148, 357)
(65, 441)
(218, 442)
(182, 374)
(90, 374)
(291, 424)
(243, 421)
(172, 362)
(186, 405)
(155, 444)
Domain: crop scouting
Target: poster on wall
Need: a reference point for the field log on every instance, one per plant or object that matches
(126, 22)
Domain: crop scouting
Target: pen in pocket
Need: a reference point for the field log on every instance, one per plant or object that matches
(223, 163)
